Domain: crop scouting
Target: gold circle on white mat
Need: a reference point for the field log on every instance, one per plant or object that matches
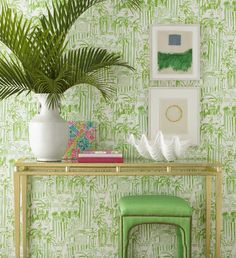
(174, 113)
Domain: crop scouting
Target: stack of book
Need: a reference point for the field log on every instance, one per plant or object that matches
(100, 157)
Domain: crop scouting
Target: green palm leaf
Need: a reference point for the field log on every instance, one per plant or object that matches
(105, 86)
(83, 66)
(13, 78)
(16, 33)
(91, 62)
(59, 21)
(64, 13)
(86, 60)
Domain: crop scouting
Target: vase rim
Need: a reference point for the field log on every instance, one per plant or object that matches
(42, 98)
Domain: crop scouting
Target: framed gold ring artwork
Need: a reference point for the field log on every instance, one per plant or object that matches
(175, 111)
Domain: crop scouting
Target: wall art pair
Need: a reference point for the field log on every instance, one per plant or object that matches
(175, 55)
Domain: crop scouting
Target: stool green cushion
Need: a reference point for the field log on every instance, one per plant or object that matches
(148, 205)
(143, 209)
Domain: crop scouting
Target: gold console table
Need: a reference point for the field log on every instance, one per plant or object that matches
(28, 168)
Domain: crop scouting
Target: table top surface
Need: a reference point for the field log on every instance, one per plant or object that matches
(24, 162)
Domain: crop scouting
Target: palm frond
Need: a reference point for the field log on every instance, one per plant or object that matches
(82, 66)
(54, 87)
(16, 33)
(89, 66)
(54, 100)
(57, 23)
(133, 4)
(32, 46)
(58, 85)
(64, 13)
(51, 52)
(100, 82)
(39, 64)
(13, 78)
(87, 60)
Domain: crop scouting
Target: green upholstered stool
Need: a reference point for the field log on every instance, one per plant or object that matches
(160, 209)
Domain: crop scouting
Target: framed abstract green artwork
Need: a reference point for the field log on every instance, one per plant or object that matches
(175, 53)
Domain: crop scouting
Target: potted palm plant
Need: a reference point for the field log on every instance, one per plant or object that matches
(40, 62)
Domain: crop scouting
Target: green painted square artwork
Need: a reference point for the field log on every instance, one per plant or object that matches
(175, 52)
(181, 61)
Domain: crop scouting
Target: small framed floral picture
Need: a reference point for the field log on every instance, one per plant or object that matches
(82, 138)
(175, 52)
(175, 111)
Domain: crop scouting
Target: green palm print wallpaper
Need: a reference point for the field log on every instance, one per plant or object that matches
(78, 217)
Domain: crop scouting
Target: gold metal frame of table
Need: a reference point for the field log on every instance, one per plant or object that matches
(27, 168)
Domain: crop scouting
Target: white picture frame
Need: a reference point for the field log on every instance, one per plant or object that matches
(175, 111)
(175, 52)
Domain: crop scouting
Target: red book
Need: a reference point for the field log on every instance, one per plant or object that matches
(100, 160)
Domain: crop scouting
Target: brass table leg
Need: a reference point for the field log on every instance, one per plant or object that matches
(218, 210)
(17, 213)
(208, 215)
(24, 215)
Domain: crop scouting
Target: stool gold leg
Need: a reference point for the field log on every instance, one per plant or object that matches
(24, 215)
(208, 215)
(218, 210)
(121, 238)
(17, 213)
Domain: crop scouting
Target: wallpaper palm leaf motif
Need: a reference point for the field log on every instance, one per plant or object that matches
(78, 217)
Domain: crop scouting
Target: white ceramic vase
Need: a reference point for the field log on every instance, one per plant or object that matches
(48, 133)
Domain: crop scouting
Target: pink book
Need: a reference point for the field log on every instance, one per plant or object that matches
(100, 160)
